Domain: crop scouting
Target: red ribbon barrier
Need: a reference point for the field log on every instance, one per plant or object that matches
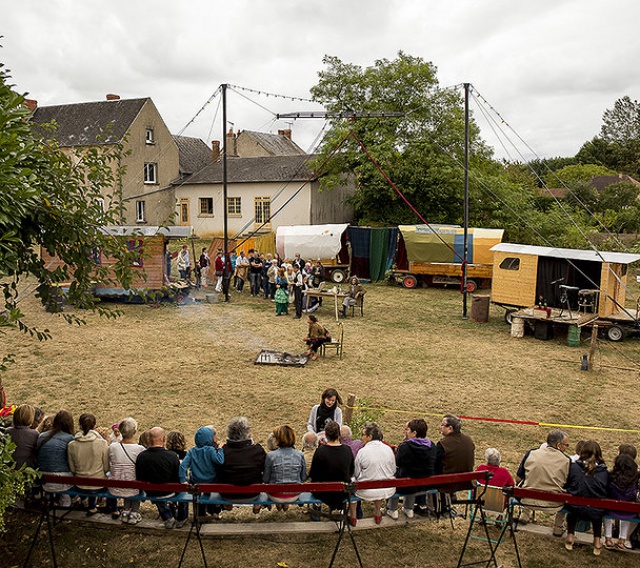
(316, 487)
(608, 504)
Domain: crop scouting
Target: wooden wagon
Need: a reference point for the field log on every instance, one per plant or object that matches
(564, 286)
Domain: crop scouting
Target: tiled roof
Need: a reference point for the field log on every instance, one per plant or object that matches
(602, 182)
(89, 124)
(274, 144)
(262, 169)
(550, 192)
(194, 154)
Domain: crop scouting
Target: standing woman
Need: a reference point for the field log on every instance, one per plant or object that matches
(88, 455)
(588, 477)
(281, 296)
(326, 411)
(316, 336)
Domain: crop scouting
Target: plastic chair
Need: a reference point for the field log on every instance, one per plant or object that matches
(335, 343)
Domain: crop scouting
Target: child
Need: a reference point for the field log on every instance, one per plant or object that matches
(176, 443)
(199, 466)
(623, 486)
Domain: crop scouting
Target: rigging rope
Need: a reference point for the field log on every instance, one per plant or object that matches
(563, 209)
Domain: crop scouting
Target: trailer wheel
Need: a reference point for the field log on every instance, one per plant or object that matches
(508, 316)
(410, 281)
(615, 333)
(338, 276)
(472, 286)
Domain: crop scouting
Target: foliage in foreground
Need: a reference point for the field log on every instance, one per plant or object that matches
(13, 482)
(55, 202)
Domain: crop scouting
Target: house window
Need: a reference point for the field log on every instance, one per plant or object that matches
(510, 263)
(263, 210)
(234, 206)
(184, 212)
(148, 138)
(206, 206)
(140, 214)
(150, 173)
(134, 246)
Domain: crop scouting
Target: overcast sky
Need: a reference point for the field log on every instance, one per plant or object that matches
(550, 68)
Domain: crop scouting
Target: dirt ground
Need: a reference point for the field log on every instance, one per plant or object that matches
(411, 354)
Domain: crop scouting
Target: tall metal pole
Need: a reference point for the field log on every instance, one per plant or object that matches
(466, 200)
(227, 261)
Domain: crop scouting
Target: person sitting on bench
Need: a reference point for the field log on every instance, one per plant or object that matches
(159, 465)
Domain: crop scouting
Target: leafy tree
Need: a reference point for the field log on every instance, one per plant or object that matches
(420, 151)
(13, 482)
(621, 124)
(542, 167)
(576, 173)
(618, 196)
(618, 144)
(53, 201)
(599, 152)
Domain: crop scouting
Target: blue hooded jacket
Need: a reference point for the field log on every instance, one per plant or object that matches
(199, 465)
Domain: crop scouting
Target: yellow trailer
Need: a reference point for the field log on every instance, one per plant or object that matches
(581, 287)
(434, 255)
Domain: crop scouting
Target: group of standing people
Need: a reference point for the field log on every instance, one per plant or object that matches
(202, 267)
(283, 282)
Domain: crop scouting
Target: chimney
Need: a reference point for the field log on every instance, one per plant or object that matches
(286, 133)
(31, 104)
(231, 146)
(112, 97)
(215, 150)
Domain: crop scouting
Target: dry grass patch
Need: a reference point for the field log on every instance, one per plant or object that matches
(182, 367)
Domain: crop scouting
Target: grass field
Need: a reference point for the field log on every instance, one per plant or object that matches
(412, 354)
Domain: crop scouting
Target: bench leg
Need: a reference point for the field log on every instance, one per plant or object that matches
(342, 525)
(45, 514)
(194, 525)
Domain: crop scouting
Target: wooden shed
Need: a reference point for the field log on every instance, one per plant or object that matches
(524, 276)
(151, 242)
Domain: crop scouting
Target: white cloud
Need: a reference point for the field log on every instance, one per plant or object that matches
(549, 67)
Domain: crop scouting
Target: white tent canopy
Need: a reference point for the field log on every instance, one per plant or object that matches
(311, 241)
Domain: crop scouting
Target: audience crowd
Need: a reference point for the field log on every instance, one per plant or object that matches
(328, 452)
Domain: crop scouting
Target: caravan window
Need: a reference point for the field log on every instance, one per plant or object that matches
(510, 263)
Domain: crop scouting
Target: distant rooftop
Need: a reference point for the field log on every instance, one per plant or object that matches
(89, 124)
(260, 169)
(194, 154)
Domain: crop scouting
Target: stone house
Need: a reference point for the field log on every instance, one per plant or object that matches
(269, 184)
(152, 158)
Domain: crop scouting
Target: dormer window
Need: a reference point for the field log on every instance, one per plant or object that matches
(149, 139)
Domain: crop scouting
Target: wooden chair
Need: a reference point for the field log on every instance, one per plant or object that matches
(335, 343)
(359, 303)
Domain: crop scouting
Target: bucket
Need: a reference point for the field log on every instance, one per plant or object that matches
(480, 308)
(573, 336)
(517, 327)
